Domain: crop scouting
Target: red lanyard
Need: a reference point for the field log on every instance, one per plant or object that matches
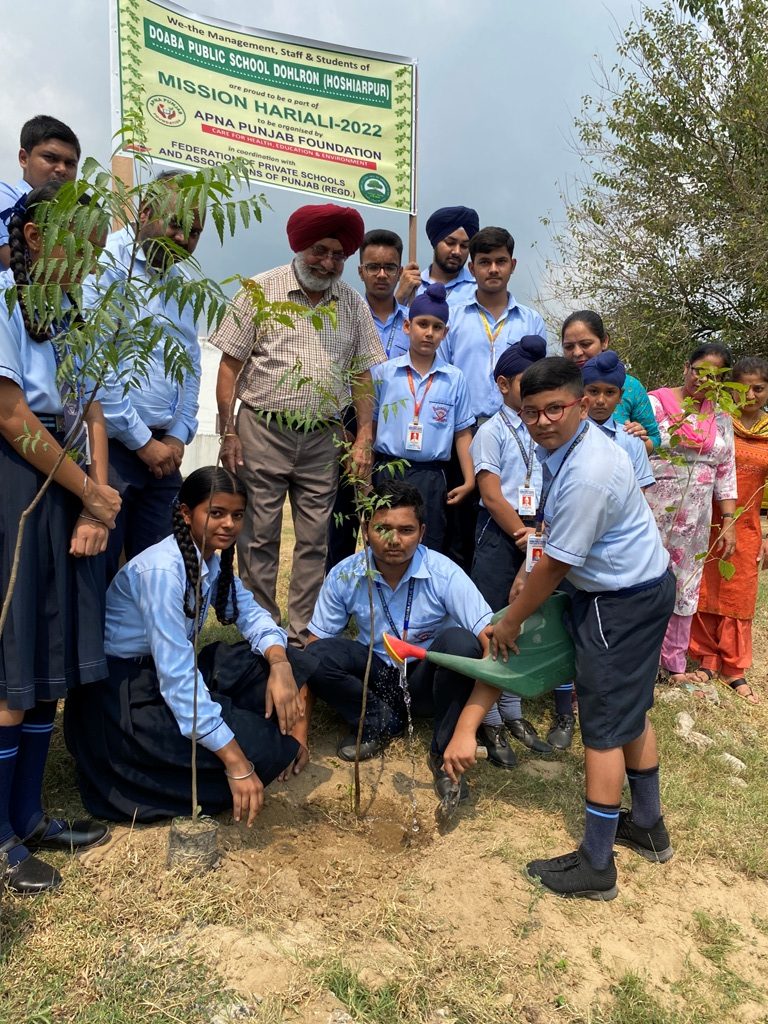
(418, 404)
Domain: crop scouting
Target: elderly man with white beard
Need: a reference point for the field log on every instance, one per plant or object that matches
(293, 383)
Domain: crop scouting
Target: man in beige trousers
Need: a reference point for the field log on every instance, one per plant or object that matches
(292, 383)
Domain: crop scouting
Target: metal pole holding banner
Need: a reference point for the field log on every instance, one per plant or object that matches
(122, 169)
(412, 217)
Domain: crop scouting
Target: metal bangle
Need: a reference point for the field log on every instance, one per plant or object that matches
(239, 778)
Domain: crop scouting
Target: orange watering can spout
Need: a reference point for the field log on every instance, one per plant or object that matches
(400, 650)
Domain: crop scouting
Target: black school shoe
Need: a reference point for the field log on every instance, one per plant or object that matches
(573, 876)
(494, 739)
(560, 736)
(651, 843)
(522, 730)
(81, 834)
(30, 876)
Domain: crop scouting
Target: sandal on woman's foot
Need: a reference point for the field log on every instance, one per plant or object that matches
(748, 695)
(699, 675)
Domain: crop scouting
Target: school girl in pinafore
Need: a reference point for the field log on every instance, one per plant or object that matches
(52, 638)
(131, 736)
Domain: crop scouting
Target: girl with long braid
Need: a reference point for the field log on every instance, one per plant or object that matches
(131, 738)
(52, 639)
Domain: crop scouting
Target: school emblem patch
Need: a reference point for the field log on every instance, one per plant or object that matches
(440, 413)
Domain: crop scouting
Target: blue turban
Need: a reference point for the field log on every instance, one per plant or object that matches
(450, 218)
(431, 302)
(604, 368)
(517, 358)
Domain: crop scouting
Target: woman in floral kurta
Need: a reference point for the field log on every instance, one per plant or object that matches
(721, 637)
(681, 501)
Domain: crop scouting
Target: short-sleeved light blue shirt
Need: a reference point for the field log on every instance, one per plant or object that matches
(394, 340)
(145, 615)
(158, 402)
(9, 194)
(30, 364)
(443, 596)
(634, 448)
(468, 347)
(495, 450)
(445, 408)
(458, 291)
(596, 518)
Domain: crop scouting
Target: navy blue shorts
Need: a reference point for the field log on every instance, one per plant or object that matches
(617, 636)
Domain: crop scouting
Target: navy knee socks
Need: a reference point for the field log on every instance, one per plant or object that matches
(646, 801)
(600, 832)
(10, 735)
(26, 808)
(564, 699)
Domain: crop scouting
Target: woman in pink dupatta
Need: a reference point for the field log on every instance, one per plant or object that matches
(700, 466)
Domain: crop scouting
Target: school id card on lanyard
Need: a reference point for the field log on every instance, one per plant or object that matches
(535, 546)
(526, 495)
(414, 438)
(408, 605)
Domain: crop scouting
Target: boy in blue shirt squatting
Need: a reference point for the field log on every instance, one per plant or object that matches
(422, 405)
(600, 535)
(419, 595)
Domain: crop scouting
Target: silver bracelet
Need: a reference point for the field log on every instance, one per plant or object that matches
(239, 778)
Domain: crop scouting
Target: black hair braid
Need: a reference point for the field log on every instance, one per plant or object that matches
(190, 555)
(19, 264)
(225, 589)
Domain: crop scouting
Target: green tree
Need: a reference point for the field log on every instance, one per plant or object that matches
(666, 230)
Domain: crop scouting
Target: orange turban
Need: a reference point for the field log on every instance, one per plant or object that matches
(309, 224)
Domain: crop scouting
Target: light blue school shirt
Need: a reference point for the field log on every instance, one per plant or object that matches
(145, 615)
(444, 411)
(467, 346)
(443, 596)
(634, 448)
(9, 194)
(635, 406)
(596, 518)
(156, 401)
(458, 291)
(30, 364)
(394, 340)
(495, 450)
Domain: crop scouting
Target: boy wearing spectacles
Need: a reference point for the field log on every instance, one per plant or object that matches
(381, 270)
(600, 535)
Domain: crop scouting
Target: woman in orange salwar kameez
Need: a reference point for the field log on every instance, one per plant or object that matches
(721, 634)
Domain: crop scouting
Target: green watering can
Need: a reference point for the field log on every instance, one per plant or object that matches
(544, 662)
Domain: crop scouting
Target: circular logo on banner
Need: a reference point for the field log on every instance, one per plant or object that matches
(166, 111)
(374, 188)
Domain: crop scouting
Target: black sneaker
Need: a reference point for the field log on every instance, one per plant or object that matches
(494, 739)
(651, 843)
(560, 736)
(522, 730)
(573, 876)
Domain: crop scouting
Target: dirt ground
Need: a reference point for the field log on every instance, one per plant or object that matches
(396, 900)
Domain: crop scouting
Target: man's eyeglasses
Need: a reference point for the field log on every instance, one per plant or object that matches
(322, 252)
(553, 412)
(390, 269)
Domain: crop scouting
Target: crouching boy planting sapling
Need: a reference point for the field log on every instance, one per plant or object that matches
(599, 534)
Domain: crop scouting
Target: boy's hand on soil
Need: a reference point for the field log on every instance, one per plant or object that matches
(247, 798)
(283, 697)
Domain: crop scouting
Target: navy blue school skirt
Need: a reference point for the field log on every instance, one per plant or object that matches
(54, 635)
(132, 760)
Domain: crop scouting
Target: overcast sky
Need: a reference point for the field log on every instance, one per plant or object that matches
(500, 82)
